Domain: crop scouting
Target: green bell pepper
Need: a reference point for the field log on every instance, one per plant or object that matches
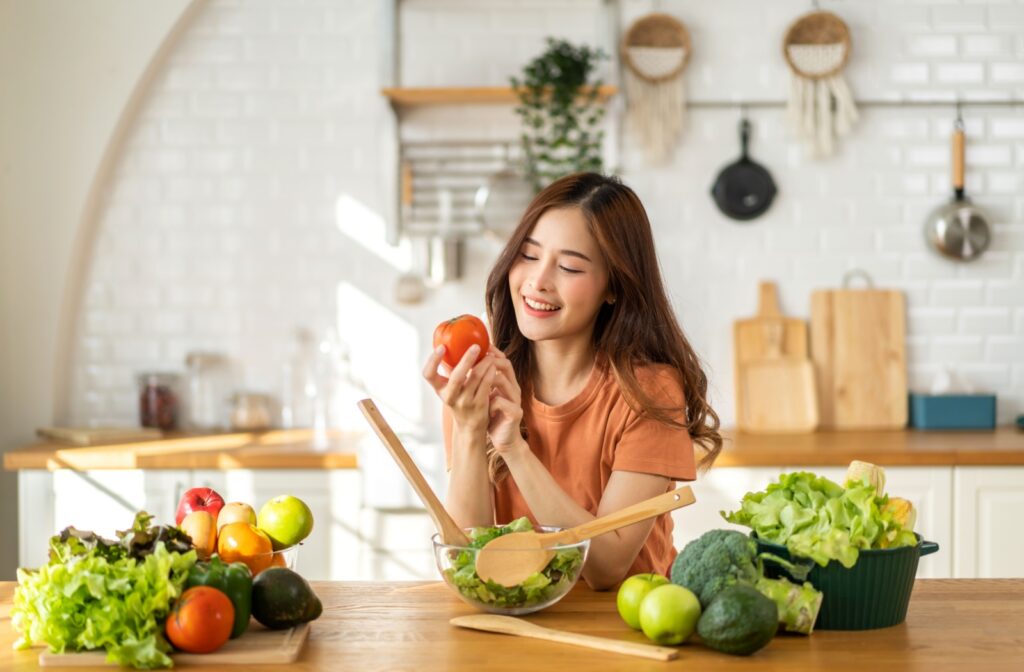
(234, 580)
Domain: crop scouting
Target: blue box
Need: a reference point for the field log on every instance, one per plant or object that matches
(953, 411)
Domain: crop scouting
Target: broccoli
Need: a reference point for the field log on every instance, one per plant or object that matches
(723, 558)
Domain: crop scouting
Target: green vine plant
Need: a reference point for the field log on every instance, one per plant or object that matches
(560, 112)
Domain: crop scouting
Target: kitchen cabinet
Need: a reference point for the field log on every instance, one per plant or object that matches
(986, 516)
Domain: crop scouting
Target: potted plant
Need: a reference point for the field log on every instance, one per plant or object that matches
(559, 110)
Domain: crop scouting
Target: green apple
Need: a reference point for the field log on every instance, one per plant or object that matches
(632, 591)
(286, 520)
(669, 614)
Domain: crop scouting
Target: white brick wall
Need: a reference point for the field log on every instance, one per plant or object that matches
(221, 227)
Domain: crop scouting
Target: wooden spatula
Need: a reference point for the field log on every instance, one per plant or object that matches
(450, 532)
(511, 558)
(507, 625)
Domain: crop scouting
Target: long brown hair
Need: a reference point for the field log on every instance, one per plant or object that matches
(639, 328)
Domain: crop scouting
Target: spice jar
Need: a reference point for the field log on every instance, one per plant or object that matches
(251, 411)
(158, 401)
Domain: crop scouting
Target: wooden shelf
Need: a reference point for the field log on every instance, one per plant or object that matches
(464, 95)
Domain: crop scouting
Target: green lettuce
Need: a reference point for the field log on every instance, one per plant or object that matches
(816, 518)
(100, 594)
(538, 588)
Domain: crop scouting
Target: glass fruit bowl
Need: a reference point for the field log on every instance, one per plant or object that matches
(457, 565)
(286, 557)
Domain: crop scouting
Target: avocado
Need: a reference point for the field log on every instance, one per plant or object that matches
(283, 599)
(739, 621)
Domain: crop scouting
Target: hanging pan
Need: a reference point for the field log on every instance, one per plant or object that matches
(744, 189)
(958, 229)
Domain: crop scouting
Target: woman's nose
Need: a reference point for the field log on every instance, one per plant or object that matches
(540, 277)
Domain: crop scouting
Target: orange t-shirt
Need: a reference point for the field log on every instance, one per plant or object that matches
(582, 441)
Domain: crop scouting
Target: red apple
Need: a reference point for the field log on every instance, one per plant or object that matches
(198, 499)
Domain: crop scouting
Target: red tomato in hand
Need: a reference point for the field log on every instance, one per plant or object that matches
(201, 620)
(457, 334)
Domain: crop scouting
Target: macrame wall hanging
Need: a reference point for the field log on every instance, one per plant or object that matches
(655, 51)
(821, 108)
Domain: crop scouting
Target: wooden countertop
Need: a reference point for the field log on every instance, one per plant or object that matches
(965, 624)
(276, 449)
(1004, 446)
(292, 449)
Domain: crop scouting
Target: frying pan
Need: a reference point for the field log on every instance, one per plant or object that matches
(957, 229)
(744, 189)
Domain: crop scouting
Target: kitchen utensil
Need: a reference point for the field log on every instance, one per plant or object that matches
(92, 436)
(409, 288)
(499, 203)
(775, 393)
(750, 335)
(450, 532)
(821, 108)
(958, 229)
(744, 189)
(858, 346)
(533, 551)
(258, 646)
(510, 625)
(655, 51)
(874, 593)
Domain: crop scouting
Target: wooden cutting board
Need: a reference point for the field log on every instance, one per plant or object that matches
(89, 436)
(858, 345)
(751, 335)
(258, 646)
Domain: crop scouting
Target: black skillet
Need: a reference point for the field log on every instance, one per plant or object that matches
(744, 189)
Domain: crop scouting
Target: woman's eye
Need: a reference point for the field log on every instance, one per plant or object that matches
(570, 270)
(524, 255)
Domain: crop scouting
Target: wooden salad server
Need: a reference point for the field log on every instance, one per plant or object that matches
(450, 532)
(508, 625)
(511, 558)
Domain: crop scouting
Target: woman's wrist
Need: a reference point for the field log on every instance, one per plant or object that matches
(514, 452)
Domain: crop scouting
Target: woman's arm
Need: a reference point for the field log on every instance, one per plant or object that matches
(469, 499)
(612, 554)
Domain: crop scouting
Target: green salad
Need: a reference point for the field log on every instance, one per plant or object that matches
(555, 578)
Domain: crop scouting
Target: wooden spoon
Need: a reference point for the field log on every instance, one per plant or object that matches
(511, 558)
(450, 532)
(507, 625)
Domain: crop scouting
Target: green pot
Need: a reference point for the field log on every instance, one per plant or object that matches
(874, 593)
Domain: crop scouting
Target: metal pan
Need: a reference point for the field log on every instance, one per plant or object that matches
(958, 230)
(744, 190)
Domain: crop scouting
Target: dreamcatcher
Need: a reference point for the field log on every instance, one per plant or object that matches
(821, 108)
(655, 50)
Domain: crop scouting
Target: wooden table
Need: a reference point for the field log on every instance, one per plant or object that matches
(959, 624)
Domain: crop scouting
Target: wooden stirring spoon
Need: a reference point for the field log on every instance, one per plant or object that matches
(508, 625)
(450, 532)
(512, 558)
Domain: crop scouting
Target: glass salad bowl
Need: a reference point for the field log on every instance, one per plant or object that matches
(457, 565)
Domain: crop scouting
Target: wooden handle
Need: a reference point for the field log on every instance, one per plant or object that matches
(406, 184)
(768, 299)
(958, 159)
(450, 532)
(649, 508)
(528, 629)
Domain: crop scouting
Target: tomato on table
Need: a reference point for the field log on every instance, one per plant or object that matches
(457, 334)
(201, 620)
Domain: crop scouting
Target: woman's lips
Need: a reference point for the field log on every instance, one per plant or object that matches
(535, 312)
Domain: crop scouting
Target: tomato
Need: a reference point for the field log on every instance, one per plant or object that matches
(201, 620)
(242, 542)
(457, 334)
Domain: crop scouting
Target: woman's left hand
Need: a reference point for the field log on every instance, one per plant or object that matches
(506, 407)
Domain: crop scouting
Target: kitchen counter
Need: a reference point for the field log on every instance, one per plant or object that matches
(276, 449)
(951, 625)
(292, 449)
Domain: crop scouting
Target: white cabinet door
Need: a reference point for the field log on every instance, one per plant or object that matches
(990, 543)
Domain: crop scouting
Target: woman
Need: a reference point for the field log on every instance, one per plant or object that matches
(591, 398)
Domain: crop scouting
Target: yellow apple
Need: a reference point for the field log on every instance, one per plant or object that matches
(202, 527)
(236, 512)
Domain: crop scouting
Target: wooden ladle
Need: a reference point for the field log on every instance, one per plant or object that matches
(512, 558)
(450, 532)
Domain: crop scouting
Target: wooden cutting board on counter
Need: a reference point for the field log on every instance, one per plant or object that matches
(858, 345)
(258, 646)
(774, 378)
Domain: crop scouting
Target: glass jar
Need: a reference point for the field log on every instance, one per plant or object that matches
(251, 411)
(209, 379)
(158, 400)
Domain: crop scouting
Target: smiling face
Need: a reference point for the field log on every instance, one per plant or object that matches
(560, 280)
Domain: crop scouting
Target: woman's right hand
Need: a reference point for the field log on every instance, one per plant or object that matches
(466, 390)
